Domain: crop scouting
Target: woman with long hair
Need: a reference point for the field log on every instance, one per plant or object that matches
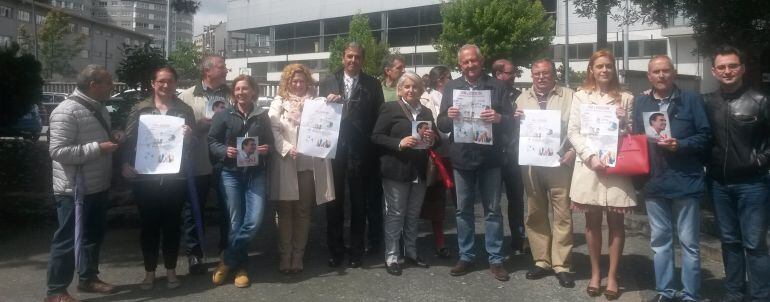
(593, 191)
(437, 193)
(245, 188)
(297, 181)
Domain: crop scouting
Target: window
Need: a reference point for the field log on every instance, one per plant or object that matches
(633, 49)
(101, 4)
(85, 30)
(22, 15)
(5, 41)
(655, 47)
(39, 19)
(151, 16)
(403, 18)
(114, 3)
(126, 24)
(5, 11)
(585, 50)
(430, 15)
(84, 53)
(71, 28)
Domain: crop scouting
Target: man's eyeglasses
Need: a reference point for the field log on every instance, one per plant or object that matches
(541, 75)
(725, 67)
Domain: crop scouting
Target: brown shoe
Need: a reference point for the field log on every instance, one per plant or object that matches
(499, 272)
(461, 268)
(95, 286)
(65, 297)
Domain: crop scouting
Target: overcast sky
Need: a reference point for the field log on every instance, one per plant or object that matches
(211, 12)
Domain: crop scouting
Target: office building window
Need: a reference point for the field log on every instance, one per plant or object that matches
(403, 18)
(5, 41)
(39, 19)
(22, 15)
(5, 11)
(85, 30)
(655, 47)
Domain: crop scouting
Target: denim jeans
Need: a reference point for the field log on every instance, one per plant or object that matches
(61, 266)
(741, 212)
(245, 200)
(666, 216)
(489, 183)
(403, 202)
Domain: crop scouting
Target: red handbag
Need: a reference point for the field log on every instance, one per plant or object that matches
(632, 157)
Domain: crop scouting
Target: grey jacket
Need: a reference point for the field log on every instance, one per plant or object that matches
(74, 141)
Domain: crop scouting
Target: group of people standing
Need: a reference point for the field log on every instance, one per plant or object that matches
(390, 182)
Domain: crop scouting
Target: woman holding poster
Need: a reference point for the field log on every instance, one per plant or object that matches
(297, 181)
(593, 191)
(403, 170)
(244, 185)
(159, 197)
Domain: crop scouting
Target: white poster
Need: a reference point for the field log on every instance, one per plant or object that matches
(540, 138)
(319, 128)
(247, 151)
(599, 125)
(214, 106)
(418, 132)
(160, 139)
(469, 128)
(656, 125)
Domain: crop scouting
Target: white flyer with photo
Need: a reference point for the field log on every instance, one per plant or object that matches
(319, 128)
(159, 144)
(247, 151)
(540, 138)
(418, 132)
(600, 126)
(214, 106)
(469, 128)
(656, 125)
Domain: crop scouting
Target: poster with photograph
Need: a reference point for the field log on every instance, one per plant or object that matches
(159, 144)
(600, 126)
(540, 138)
(656, 124)
(247, 151)
(214, 106)
(469, 128)
(319, 128)
(418, 131)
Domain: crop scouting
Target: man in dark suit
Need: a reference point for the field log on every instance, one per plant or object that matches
(356, 162)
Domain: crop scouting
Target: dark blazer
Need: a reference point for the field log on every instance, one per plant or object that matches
(227, 125)
(391, 127)
(475, 156)
(679, 174)
(358, 117)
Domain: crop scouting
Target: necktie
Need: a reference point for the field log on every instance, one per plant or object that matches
(348, 87)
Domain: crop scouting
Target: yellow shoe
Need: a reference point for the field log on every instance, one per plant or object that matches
(220, 274)
(241, 279)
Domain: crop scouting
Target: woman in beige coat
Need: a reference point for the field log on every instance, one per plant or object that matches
(593, 191)
(297, 181)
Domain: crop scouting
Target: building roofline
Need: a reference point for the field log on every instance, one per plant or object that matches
(87, 19)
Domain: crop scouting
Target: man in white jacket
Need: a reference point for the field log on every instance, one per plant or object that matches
(81, 150)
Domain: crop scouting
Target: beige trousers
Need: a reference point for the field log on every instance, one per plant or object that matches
(550, 241)
(294, 223)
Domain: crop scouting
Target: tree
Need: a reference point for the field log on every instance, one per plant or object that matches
(21, 83)
(575, 78)
(359, 32)
(58, 44)
(138, 64)
(518, 30)
(186, 58)
(185, 6)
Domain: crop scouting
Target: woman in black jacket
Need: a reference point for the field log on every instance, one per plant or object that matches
(244, 187)
(403, 165)
(159, 197)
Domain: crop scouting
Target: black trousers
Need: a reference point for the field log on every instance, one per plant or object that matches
(160, 206)
(365, 204)
(514, 192)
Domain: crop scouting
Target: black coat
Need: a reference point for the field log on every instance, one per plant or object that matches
(476, 156)
(226, 127)
(358, 117)
(391, 127)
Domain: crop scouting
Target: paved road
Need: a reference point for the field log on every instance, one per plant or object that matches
(24, 254)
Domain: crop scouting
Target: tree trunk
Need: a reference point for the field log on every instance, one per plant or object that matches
(602, 7)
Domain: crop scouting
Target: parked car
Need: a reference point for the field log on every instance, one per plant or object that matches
(49, 101)
(27, 127)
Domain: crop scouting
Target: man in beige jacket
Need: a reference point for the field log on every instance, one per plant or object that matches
(211, 90)
(551, 245)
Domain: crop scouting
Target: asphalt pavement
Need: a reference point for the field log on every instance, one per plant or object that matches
(24, 256)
